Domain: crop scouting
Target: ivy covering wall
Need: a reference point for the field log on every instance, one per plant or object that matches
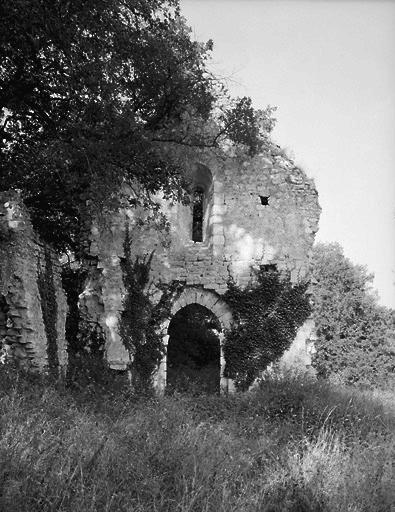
(267, 315)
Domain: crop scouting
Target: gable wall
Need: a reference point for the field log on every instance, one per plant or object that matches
(243, 234)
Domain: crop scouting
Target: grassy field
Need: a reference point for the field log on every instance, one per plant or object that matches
(292, 445)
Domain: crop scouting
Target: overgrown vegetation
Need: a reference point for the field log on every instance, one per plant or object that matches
(267, 314)
(98, 94)
(293, 445)
(356, 336)
(87, 368)
(141, 318)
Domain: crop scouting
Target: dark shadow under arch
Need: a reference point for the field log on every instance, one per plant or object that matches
(193, 351)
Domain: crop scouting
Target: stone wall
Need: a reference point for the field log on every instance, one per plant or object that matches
(260, 211)
(32, 302)
(297, 359)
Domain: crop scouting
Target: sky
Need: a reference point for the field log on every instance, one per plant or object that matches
(329, 67)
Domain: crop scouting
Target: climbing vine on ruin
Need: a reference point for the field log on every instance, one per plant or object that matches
(267, 315)
(141, 318)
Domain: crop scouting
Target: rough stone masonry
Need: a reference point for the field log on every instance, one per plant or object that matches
(32, 302)
(244, 213)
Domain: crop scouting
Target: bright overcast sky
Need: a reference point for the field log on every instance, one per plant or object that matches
(329, 68)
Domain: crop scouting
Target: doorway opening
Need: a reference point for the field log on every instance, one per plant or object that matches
(193, 351)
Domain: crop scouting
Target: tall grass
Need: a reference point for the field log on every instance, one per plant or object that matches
(292, 445)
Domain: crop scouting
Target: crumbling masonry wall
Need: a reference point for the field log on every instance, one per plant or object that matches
(32, 302)
(257, 211)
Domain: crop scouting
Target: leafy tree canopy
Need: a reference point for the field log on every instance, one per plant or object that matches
(90, 90)
(356, 336)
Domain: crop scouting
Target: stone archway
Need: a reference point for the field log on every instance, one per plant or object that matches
(221, 310)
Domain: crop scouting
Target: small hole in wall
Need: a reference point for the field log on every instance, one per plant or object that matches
(264, 200)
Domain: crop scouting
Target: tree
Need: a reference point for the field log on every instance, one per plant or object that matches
(85, 85)
(243, 124)
(356, 336)
(90, 93)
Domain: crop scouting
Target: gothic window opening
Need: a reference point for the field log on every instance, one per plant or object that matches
(197, 215)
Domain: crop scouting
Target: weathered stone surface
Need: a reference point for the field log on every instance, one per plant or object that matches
(23, 261)
(257, 211)
(298, 357)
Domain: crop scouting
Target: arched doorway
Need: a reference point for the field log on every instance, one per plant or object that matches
(193, 351)
(211, 301)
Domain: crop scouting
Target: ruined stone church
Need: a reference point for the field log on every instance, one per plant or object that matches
(243, 213)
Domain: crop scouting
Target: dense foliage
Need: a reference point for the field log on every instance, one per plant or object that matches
(92, 93)
(267, 314)
(356, 336)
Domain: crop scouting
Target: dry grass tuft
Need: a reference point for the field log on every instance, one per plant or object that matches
(293, 445)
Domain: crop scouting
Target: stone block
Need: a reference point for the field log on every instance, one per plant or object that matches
(218, 239)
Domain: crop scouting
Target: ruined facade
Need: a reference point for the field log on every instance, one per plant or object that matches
(32, 302)
(242, 214)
